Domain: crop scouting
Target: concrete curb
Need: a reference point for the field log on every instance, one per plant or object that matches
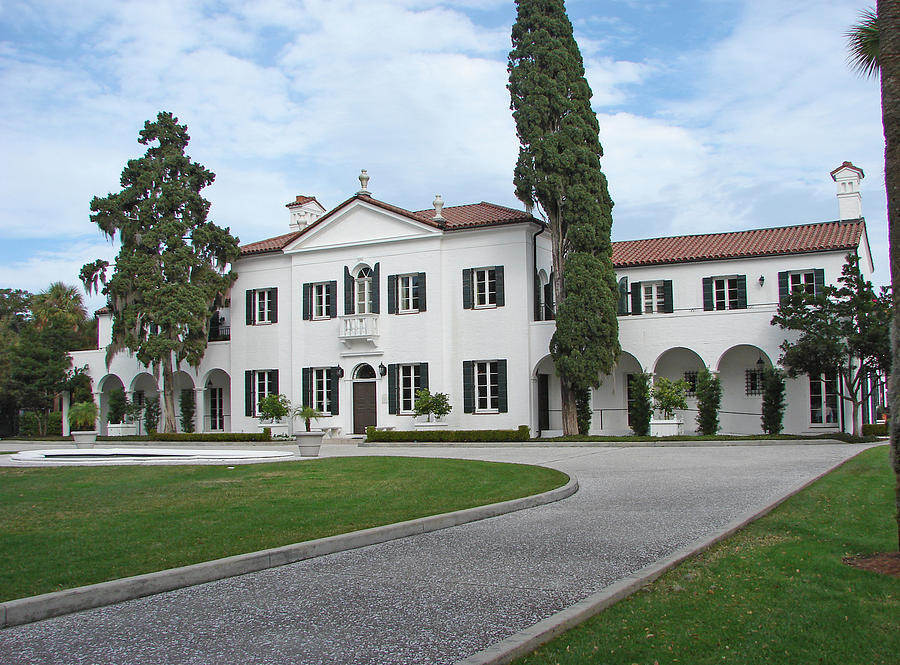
(604, 444)
(35, 608)
(526, 641)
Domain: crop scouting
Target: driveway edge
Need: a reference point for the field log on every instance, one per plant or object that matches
(526, 641)
(45, 606)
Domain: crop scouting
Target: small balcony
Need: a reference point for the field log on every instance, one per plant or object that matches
(359, 327)
(220, 334)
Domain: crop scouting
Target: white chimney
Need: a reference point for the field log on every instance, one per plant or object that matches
(847, 178)
(304, 211)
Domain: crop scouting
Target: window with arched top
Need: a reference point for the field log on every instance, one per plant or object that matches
(361, 290)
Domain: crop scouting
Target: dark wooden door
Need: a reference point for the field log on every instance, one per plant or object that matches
(364, 412)
(543, 402)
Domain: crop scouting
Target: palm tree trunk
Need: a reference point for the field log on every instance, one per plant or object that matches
(889, 64)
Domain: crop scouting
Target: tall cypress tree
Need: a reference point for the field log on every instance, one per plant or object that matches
(172, 264)
(558, 170)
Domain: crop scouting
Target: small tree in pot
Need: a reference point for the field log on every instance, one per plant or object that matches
(306, 414)
(437, 405)
(82, 421)
(669, 395)
(274, 407)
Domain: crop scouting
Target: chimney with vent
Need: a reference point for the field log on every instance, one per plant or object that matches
(847, 178)
(304, 211)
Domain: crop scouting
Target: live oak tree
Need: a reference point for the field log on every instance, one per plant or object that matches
(558, 170)
(875, 49)
(173, 264)
(843, 329)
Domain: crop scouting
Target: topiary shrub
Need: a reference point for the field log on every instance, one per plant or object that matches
(188, 408)
(772, 401)
(118, 407)
(583, 411)
(640, 410)
(709, 399)
(875, 429)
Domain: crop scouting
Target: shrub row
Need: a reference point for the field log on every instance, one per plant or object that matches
(452, 436)
(875, 429)
(28, 425)
(265, 435)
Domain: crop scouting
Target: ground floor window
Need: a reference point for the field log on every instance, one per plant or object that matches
(753, 382)
(484, 386)
(266, 384)
(690, 378)
(321, 390)
(823, 398)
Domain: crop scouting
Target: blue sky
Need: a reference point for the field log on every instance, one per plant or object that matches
(715, 115)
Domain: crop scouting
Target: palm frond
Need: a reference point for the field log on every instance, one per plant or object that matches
(863, 44)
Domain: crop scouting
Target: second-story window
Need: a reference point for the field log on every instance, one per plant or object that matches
(810, 281)
(408, 292)
(262, 306)
(654, 298)
(363, 288)
(483, 287)
(320, 301)
(727, 292)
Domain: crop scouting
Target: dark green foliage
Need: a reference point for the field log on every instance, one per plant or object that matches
(640, 411)
(151, 414)
(173, 263)
(558, 170)
(31, 425)
(583, 407)
(79, 385)
(428, 404)
(669, 395)
(195, 436)
(773, 401)
(117, 407)
(457, 436)
(709, 399)
(844, 328)
(875, 429)
(188, 408)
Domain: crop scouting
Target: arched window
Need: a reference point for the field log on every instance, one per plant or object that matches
(363, 289)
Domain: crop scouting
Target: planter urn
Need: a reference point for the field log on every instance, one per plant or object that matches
(85, 439)
(309, 442)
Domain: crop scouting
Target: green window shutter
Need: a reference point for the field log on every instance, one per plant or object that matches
(273, 375)
(468, 386)
(274, 305)
(708, 303)
(668, 304)
(251, 309)
(333, 379)
(636, 298)
(819, 280)
(306, 387)
(331, 298)
(498, 275)
(307, 301)
(622, 304)
(393, 390)
(348, 291)
(742, 291)
(549, 313)
(392, 294)
(423, 376)
(537, 297)
(419, 281)
(468, 300)
(376, 289)
(783, 287)
(248, 393)
(502, 393)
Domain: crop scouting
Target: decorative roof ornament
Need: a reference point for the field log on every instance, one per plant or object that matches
(438, 207)
(364, 184)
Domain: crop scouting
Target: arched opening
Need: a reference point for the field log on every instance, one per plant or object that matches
(185, 396)
(106, 387)
(144, 391)
(740, 373)
(682, 363)
(611, 398)
(216, 414)
(365, 406)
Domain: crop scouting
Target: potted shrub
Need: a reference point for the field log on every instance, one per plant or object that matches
(272, 408)
(82, 423)
(433, 407)
(311, 440)
(668, 395)
(119, 415)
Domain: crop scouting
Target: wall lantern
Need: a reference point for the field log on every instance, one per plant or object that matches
(382, 370)
(762, 280)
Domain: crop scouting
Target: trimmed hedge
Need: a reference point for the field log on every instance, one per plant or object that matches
(265, 435)
(875, 429)
(450, 436)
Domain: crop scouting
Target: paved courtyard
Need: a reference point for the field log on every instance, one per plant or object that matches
(439, 597)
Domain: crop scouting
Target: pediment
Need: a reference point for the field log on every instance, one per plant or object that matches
(360, 223)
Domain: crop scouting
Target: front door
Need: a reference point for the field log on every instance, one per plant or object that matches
(364, 412)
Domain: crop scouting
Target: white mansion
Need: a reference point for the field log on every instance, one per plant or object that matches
(356, 307)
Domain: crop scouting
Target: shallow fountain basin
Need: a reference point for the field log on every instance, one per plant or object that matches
(145, 455)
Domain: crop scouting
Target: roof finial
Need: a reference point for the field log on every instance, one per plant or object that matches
(438, 207)
(364, 184)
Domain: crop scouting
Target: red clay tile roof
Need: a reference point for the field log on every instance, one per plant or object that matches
(820, 237)
(848, 165)
(275, 244)
(300, 200)
(456, 217)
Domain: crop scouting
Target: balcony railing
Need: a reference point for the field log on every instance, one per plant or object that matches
(220, 334)
(359, 327)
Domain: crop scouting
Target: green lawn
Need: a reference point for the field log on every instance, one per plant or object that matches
(66, 527)
(776, 592)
